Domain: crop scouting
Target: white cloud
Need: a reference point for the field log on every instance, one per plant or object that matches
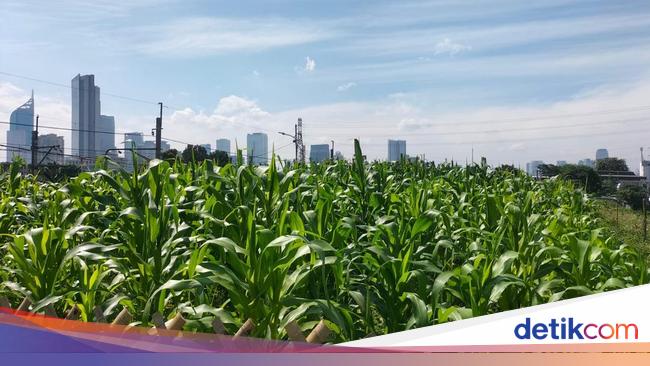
(310, 64)
(256, 73)
(346, 86)
(205, 36)
(449, 47)
(411, 124)
(231, 111)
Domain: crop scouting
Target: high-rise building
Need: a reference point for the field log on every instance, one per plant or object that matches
(531, 168)
(319, 153)
(257, 147)
(587, 162)
(136, 138)
(55, 145)
(105, 135)
(19, 135)
(396, 149)
(601, 154)
(561, 163)
(85, 113)
(223, 145)
(208, 148)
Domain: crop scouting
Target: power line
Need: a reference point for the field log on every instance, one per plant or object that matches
(478, 142)
(73, 88)
(68, 129)
(506, 130)
(348, 125)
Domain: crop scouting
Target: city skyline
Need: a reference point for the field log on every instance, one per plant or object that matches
(104, 136)
(450, 78)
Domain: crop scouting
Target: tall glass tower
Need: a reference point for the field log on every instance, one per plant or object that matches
(19, 135)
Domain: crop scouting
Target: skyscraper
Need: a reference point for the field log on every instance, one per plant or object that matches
(19, 135)
(601, 154)
(105, 135)
(85, 113)
(257, 147)
(396, 149)
(532, 167)
(319, 153)
(223, 145)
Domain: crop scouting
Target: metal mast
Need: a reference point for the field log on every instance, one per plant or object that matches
(300, 146)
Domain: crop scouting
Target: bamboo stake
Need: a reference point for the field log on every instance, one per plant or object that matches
(123, 318)
(319, 334)
(73, 313)
(99, 314)
(158, 321)
(246, 328)
(294, 332)
(176, 323)
(24, 306)
(218, 326)
(49, 311)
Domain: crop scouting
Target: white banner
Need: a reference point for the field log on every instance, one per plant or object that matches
(616, 317)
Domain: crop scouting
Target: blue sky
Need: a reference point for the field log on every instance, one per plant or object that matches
(441, 74)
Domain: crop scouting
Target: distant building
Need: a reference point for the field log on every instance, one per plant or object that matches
(19, 135)
(223, 145)
(587, 162)
(55, 155)
(105, 135)
(319, 153)
(208, 148)
(143, 149)
(338, 156)
(531, 168)
(644, 167)
(257, 147)
(135, 137)
(396, 149)
(85, 113)
(148, 148)
(601, 154)
(561, 163)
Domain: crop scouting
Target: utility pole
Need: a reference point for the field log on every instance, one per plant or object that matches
(295, 140)
(159, 132)
(35, 146)
(332, 151)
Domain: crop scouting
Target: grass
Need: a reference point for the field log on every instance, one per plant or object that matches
(625, 224)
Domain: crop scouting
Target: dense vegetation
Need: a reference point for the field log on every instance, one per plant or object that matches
(369, 247)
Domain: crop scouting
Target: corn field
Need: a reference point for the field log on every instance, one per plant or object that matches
(371, 248)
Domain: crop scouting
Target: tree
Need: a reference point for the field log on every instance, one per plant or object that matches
(583, 176)
(170, 154)
(220, 157)
(611, 165)
(548, 170)
(632, 195)
(194, 153)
